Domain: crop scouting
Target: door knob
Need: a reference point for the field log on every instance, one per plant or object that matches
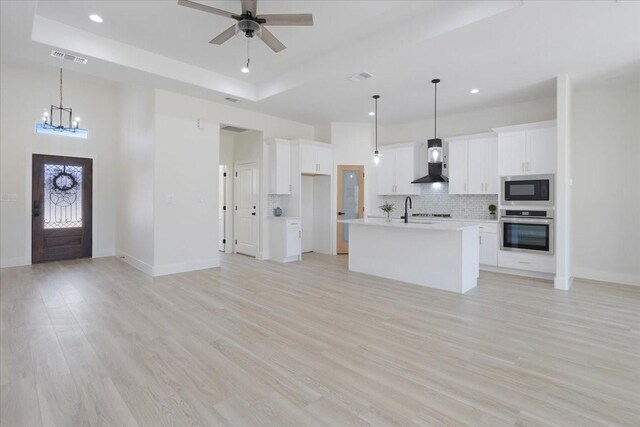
(253, 213)
(36, 208)
(340, 213)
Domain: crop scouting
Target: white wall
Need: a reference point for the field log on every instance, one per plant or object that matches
(196, 155)
(135, 161)
(185, 185)
(606, 182)
(352, 145)
(470, 122)
(26, 93)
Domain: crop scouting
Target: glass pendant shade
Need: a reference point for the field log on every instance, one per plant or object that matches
(435, 154)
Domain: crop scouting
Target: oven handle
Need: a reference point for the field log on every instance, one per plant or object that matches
(526, 220)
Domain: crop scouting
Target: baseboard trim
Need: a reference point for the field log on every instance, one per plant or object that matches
(182, 267)
(102, 253)
(14, 262)
(563, 283)
(607, 276)
(135, 263)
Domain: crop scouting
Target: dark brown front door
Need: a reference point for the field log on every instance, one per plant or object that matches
(61, 208)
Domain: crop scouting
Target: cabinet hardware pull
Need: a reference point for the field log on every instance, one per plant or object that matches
(300, 234)
(480, 239)
(524, 262)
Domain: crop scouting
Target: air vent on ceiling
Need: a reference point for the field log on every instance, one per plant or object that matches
(360, 76)
(228, 98)
(233, 129)
(68, 57)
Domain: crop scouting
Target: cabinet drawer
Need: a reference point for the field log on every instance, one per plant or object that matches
(529, 262)
(488, 228)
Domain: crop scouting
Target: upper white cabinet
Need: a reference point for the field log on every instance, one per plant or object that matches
(398, 167)
(316, 158)
(527, 149)
(473, 164)
(279, 158)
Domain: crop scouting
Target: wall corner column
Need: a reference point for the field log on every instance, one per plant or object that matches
(564, 274)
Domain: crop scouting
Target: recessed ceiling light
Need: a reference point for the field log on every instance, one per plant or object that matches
(474, 90)
(95, 18)
(245, 69)
(371, 113)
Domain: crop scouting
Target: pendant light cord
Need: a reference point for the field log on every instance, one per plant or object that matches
(61, 98)
(376, 112)
(435, 111)
(248, 53)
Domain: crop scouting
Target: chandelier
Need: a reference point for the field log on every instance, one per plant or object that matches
(65, 123)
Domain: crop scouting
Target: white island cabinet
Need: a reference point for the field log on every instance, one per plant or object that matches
(440, 255)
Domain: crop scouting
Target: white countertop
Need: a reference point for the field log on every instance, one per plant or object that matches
(422, 225)
(434, 219)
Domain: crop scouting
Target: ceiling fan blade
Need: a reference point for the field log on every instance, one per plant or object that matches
(205, 8)
(270, 40)
(288, 19)
(224, 36)
(249, 5)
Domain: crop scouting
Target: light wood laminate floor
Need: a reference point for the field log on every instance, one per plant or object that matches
(95, 342)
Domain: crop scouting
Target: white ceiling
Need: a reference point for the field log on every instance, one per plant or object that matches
(511, 50)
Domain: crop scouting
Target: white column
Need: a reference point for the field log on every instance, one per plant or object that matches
(563, 276)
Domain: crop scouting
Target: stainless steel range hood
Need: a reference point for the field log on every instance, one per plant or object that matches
(434, 168)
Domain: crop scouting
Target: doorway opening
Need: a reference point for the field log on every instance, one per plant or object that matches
(239, 190)
(61, 208)
(350, 202)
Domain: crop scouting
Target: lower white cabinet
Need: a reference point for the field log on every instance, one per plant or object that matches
(285, 237)
(489, 244)
(489, 249)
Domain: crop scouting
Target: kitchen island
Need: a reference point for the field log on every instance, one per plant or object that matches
(440, 255)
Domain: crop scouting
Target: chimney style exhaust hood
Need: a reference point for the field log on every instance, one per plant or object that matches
(434, 149)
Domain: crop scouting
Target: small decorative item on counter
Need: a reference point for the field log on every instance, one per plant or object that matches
(388, 208)
(277, 211)
(492, 211)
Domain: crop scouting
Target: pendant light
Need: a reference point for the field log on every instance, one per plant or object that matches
(435, 144)
(47, 117)
(376, 154)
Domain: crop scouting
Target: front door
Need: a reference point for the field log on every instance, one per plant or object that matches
(61, 208)
(246, 209)
(350, 201)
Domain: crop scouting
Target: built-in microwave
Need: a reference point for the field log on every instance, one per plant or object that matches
(528, 190)
(527, 230)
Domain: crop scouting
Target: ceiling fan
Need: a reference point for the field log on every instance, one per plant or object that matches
(251, 24)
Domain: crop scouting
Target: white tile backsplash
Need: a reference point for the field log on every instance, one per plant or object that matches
(435, 198)
(274, 201)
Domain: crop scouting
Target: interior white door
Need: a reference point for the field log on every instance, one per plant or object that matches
(246, 209)
(222, 210)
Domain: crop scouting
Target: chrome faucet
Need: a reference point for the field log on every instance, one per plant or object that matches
(406, 214)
